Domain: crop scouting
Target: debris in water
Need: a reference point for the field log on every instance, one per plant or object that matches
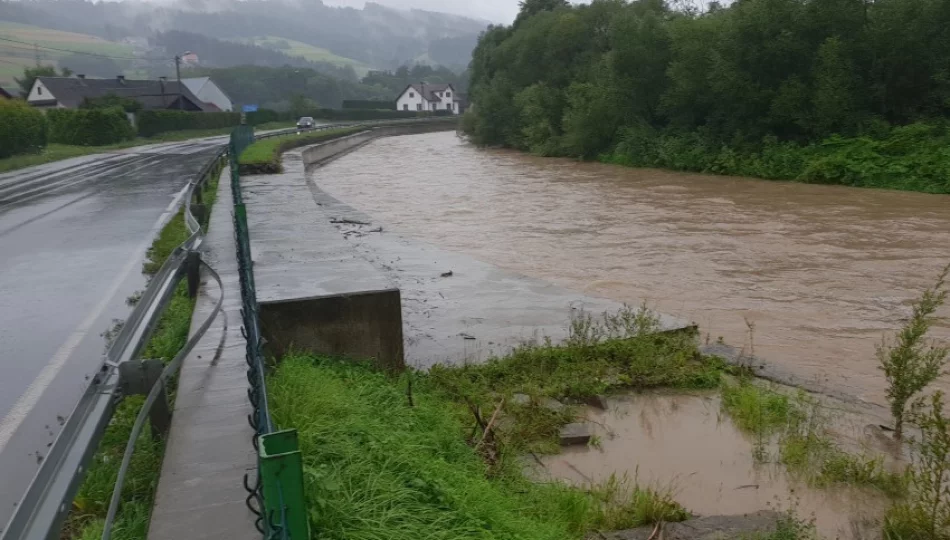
(446, 274)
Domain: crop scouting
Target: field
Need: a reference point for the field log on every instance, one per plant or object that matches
(15, 56)
(310, 52)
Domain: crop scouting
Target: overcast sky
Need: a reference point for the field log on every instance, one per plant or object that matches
(497, 11)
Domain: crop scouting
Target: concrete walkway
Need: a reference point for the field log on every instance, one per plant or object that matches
(200, 491)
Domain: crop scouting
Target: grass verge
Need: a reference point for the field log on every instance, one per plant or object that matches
(58, 152)
(263, 156)
(376, 466)
(88, 513)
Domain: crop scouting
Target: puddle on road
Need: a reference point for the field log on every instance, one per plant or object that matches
(686, 443)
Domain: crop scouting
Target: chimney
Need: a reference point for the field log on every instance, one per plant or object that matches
(120, 79)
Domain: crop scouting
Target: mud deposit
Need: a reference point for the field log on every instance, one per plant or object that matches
(685, 443)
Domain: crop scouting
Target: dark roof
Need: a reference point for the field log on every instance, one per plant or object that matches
(430, 89)
(71, 91)
(5, 94)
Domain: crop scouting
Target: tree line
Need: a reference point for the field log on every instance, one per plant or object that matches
(774, 88)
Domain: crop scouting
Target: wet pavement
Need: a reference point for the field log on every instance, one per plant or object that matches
(73, 236)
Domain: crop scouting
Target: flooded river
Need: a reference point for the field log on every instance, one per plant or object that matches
(822, 272)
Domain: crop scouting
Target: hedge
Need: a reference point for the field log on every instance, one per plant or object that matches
(154, 122)
(262, 116)
(22, 128)
(89, 127)
(371, 104)
(263, 156)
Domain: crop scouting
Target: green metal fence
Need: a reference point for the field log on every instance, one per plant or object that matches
(276, 495)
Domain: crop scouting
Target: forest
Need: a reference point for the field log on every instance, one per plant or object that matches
(852, 92)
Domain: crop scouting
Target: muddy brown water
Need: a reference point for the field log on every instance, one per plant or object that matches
(685, 445)
(823, 272)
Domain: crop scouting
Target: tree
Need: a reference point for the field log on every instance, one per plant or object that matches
(910, 363)
(529, 8)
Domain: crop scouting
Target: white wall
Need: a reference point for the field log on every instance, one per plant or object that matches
(410, 100)
(39, 92)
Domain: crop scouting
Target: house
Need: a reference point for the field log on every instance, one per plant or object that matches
(189, 59)
(4, 94)
(428, 97)
(70, 92)
(206, 90)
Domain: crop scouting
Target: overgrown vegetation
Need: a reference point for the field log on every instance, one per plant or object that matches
(86, 520)
(926, 513)
(910, 363)
(376, 466)
(785, 89)
(22, 128)
(797, 427)
(89, 127)
(263, 156)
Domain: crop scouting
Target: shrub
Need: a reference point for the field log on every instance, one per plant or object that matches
(154, 122)
(89, 127)
(22, 128)
(371, 104)
(263, 116)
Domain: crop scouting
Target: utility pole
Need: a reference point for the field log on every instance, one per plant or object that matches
(181, 98)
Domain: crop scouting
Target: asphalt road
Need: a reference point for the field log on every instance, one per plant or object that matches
(73, 236)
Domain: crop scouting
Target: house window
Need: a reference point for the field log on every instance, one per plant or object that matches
(39, 90)
(405, 106)
(448, 94)
(418, 106)
(411, 94)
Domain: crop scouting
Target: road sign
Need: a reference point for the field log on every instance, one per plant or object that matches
(249, 108)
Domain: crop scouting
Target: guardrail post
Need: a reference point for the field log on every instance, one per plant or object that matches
(192, 267)
(137, 377)
(281, 470)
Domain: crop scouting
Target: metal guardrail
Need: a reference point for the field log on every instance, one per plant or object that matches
(41, 511)
(276, 495)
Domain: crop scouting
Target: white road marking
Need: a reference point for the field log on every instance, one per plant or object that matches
(11, 422)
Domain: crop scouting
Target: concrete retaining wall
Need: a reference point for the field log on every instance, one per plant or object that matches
(316, 294)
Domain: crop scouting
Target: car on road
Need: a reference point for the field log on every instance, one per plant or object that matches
(305, 122)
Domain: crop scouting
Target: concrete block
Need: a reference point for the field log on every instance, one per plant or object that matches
(576, 433)
(366, 325)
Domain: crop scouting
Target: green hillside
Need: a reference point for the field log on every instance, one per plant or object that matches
(15, 56)
(310, 52)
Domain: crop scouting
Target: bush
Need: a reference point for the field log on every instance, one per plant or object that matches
(22, 128)
(89, 127)
(371, 104)
(263, 116)
(154, 122)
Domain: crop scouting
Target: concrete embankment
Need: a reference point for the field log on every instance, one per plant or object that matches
(318, 258)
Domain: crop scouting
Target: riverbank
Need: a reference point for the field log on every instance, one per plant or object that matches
(497, 447)
(909, 158)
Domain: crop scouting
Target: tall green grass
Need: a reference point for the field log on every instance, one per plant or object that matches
(377, 467)
(263, 156)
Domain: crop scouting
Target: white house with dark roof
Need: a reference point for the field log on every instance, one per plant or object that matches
(428, 97)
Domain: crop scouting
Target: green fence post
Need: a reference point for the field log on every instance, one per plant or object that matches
(281, 470)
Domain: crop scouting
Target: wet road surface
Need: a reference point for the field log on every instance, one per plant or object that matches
(822, 272)
(73, 235)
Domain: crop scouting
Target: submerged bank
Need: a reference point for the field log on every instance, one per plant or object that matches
(822, 272)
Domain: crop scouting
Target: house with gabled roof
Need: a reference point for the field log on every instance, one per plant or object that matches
(71, 92)
(429, 97)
